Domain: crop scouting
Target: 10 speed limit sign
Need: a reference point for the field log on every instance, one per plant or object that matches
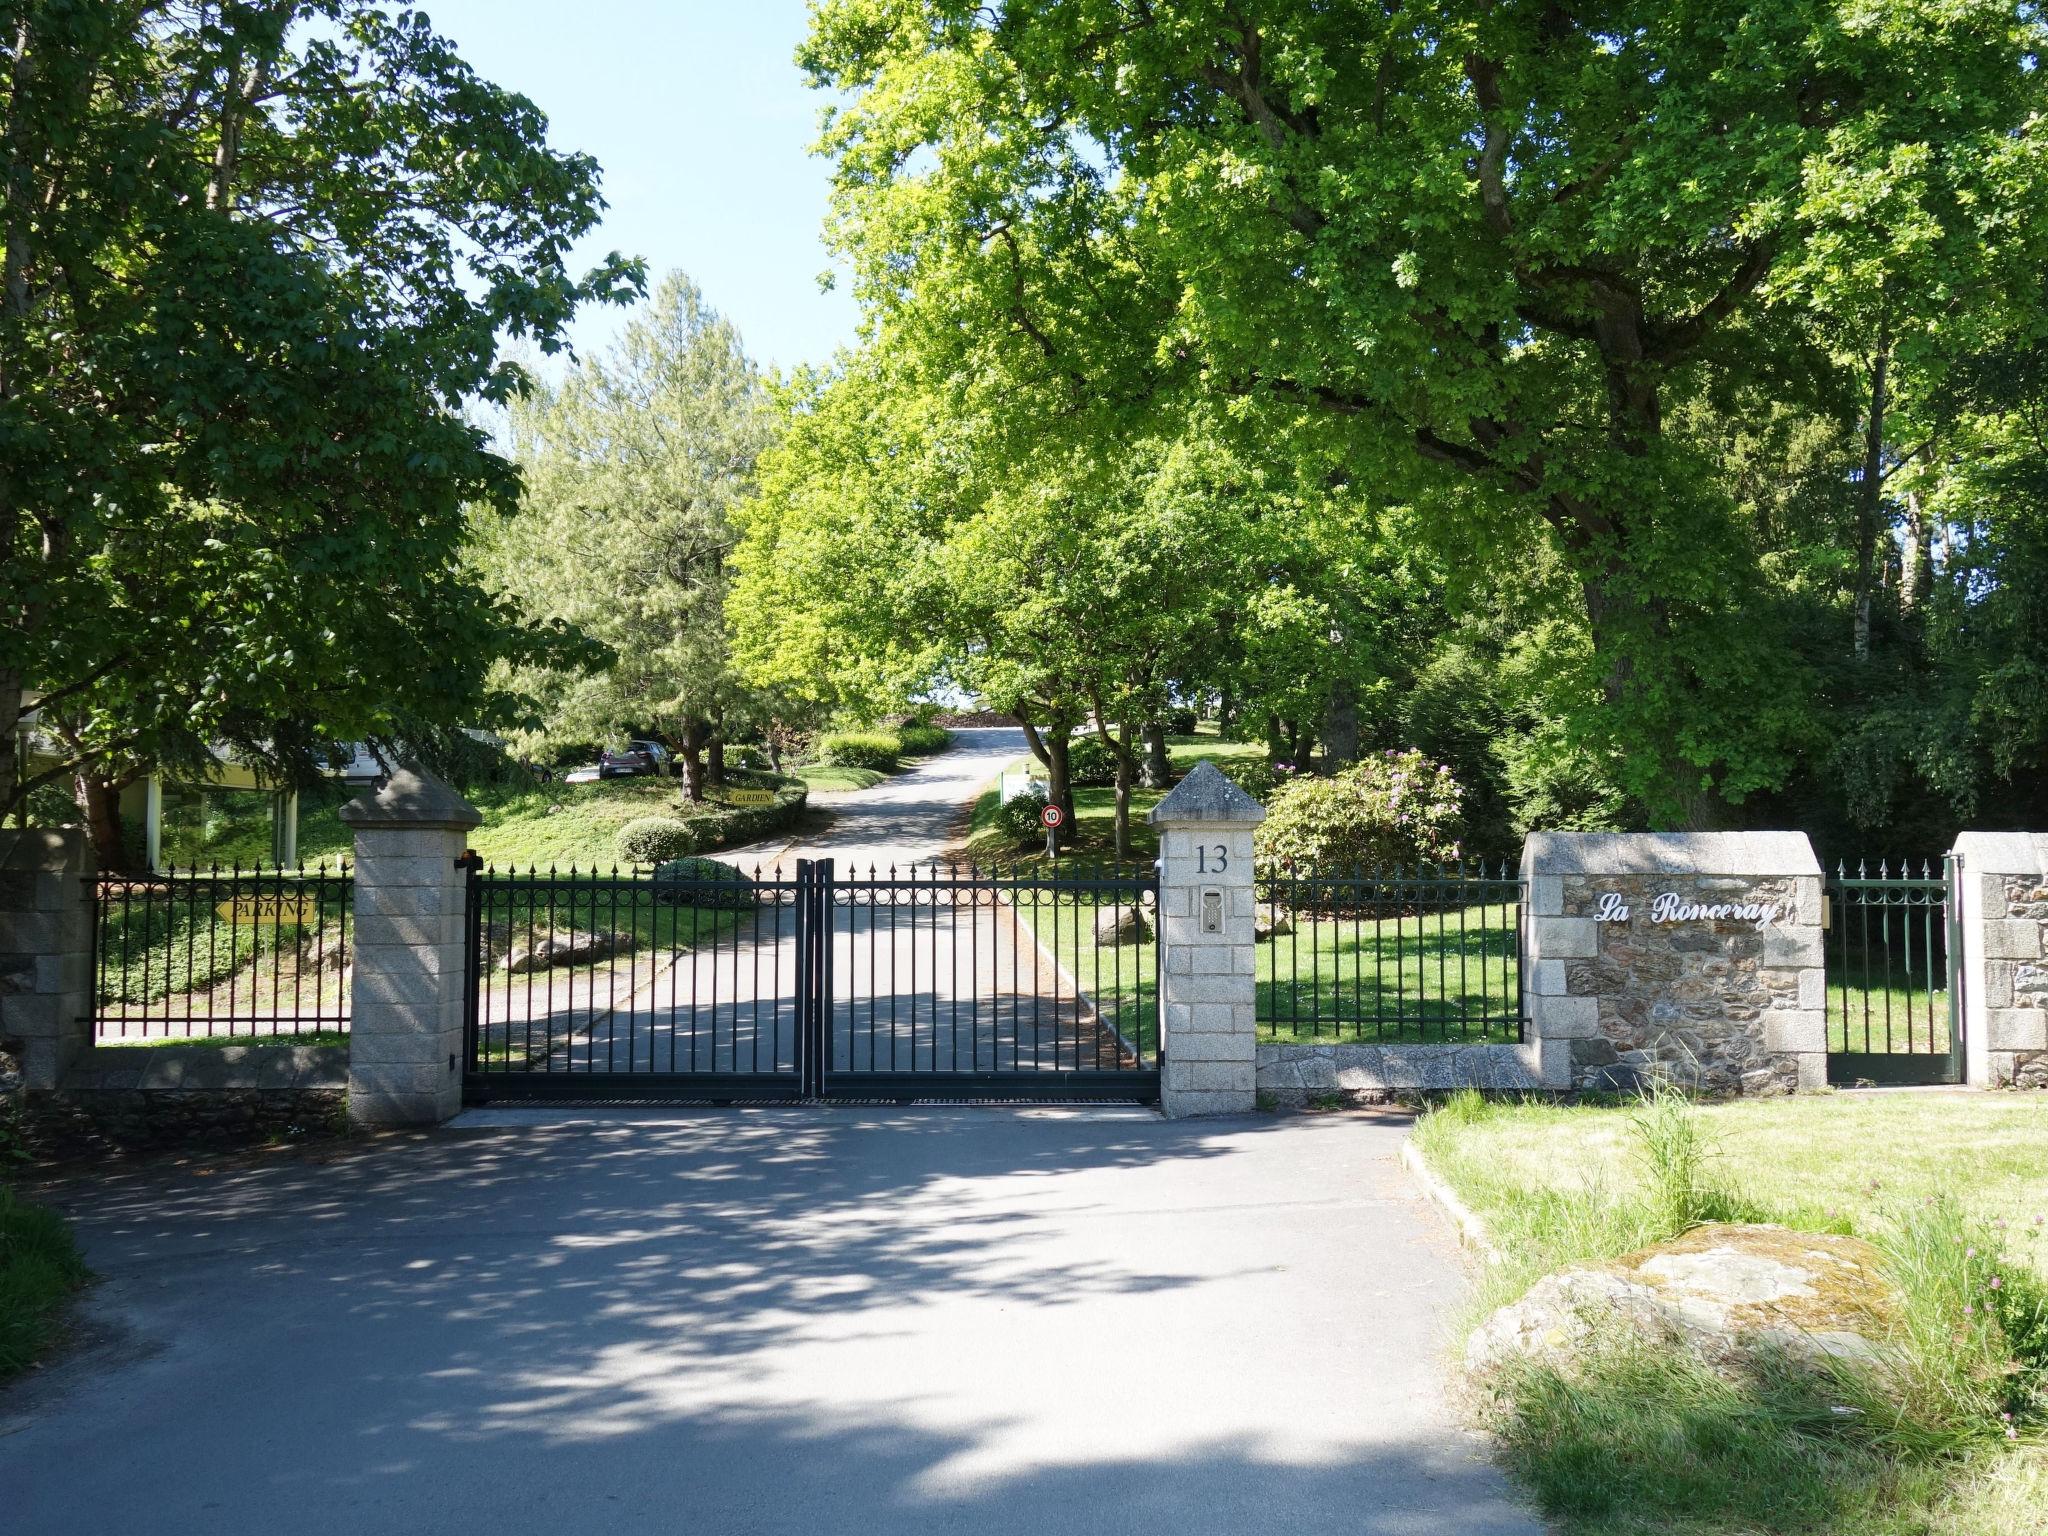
(1052, 816)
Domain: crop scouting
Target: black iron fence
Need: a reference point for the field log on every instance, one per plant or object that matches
(1892, 955)
(701, 978)
(203, 954)
(995, 974)
(1428, 954)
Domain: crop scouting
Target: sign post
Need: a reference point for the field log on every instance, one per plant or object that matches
(1052, 816)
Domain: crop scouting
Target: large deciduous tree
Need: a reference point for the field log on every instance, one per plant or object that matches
(634, 466)
(256, 258)
(1491, 244)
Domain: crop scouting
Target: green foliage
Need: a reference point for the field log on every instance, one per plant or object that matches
(878, 750)
(1485, 261)
(40, 1267)
(1395, 808)
(1644, 1436)
(1673, 1153)
(1089, 762)
(635, 467)
(702, 883)
(259, 259)
(655, 840)
(1016, 819)
(922, 740)
(1974, 1342)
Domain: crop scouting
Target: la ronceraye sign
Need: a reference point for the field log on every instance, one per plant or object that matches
(1670, 907)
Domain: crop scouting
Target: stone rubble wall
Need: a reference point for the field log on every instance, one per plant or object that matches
(1717, 1004)
(146, 1098)
(1724, 1005)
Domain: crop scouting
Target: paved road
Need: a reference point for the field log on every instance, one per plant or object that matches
(923, 980)
(771, 1322)
(907, 820)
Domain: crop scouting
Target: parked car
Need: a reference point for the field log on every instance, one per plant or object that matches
(636, 757)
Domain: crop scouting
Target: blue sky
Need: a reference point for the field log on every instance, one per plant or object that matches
(701, 121)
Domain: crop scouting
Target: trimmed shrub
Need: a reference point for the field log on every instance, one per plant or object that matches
(923, 740)
(1017, 818)
(1391, 809)
(1090, 762)
(878, 750)
(1180, 722)
(745, 757)
(702, 883)
(654, 840)
(1257, 777)
(722, 825)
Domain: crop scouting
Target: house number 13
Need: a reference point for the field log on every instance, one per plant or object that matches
(1211, 861)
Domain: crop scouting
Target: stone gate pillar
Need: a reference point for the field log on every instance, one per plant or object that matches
(2002, 910)
(1208, 1037)
(1693, 954)
(46, 917)
(411, 894)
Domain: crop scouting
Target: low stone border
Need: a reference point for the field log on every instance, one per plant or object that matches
(1290, 1075)
(147, 1098)
(1471, 1226)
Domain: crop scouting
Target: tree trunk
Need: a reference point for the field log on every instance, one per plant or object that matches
(1226, 713)
(99, 802)
(1916, 573)
(690, 744)
(1340, 727)
(714, 759)
(774, 750)
(1052, 747)
(1296, 740)
(1276, 740)
(1157, 772)
(1870, 496)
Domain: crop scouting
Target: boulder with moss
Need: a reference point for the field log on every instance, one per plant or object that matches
(1726, 1293)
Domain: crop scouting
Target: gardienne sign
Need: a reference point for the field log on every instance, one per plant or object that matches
(1670, 907)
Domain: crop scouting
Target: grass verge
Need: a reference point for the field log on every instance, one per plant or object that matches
(40, 1267)
(1638, 1442)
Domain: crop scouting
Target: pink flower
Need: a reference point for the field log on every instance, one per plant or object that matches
(1997, 1284)
(1969, 1309)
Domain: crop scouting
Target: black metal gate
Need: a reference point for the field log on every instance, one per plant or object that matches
(1894, 969)
(698, 981)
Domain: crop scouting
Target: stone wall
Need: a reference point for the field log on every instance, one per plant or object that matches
(2002, 880)
(1292, 1075)
(1719, 989)
(145, 1098)
(45, 949)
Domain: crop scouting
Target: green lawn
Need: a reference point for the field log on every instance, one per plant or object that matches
(1434, 976)
(1647, 1444)
(1834, 1161)
(830, 777)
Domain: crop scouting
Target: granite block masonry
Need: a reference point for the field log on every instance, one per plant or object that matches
(2002, 909)
(1696, 956)
(1208, 1036)
(411, 891)
(46, 919)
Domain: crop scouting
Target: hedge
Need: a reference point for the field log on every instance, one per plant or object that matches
(877, 750)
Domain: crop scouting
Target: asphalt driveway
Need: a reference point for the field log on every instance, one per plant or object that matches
(872, 1320)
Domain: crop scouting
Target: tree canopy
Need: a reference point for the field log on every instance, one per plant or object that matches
(634, 466)
(1490, 255)
(259, 258)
